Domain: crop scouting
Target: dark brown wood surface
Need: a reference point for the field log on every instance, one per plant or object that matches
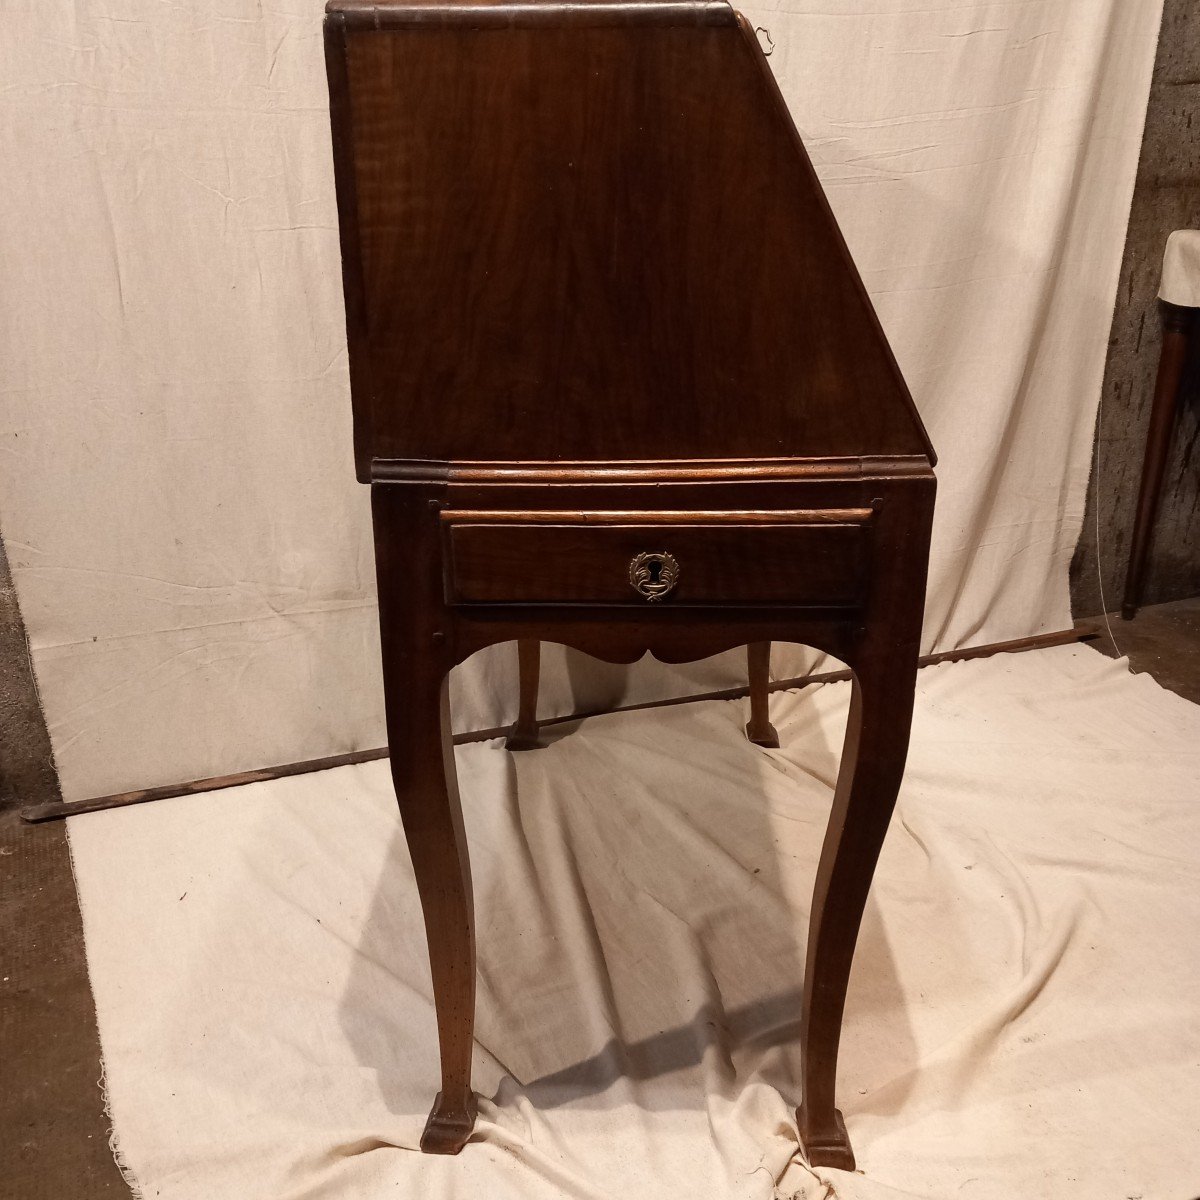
(622, 239)
(617, 385)
(719, 564)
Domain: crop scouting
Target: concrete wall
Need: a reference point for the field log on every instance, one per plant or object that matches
(1166, 197)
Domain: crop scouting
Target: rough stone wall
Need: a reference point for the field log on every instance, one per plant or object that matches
(1166, 197)
(27, 774)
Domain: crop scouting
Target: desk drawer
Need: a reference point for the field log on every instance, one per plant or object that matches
(719, 558)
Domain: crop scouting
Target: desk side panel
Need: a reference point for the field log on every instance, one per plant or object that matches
(601, 242)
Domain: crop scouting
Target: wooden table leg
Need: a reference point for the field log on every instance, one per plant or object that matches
(759, 728)
(524, 734)
(872, 766)
(422, 760)
(416, 686)
(1177, 322)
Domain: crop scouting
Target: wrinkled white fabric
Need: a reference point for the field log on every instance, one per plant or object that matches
(1022, 1021)
(191, 552)
(1180, 282)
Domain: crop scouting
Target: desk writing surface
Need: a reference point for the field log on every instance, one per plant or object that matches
(597, 241)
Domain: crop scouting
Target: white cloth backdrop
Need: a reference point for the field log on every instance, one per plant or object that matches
(191, 552)
(1023, 1017)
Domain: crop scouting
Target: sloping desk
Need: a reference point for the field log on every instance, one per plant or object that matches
(616, 384)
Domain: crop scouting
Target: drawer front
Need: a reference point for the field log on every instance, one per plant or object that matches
(654, 564)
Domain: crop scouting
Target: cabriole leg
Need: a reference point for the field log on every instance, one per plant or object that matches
(422, 759)
(873, 758)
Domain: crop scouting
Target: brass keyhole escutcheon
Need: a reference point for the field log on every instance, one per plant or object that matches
(653, 575)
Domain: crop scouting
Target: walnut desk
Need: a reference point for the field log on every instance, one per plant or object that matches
(616, 384)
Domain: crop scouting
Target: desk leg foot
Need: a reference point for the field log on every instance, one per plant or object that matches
(524, 734)
(873, 757)
(828, 1146)
(516, 742)
(450, 1123)
(759, 729)
(762, 735)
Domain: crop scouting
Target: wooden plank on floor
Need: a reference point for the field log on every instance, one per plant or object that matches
(58, 810)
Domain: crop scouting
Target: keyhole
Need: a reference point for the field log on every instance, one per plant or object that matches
(652, 576)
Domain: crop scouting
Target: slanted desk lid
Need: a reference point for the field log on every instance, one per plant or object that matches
(590, 231)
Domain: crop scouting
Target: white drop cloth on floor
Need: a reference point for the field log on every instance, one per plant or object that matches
(1023, 1018)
